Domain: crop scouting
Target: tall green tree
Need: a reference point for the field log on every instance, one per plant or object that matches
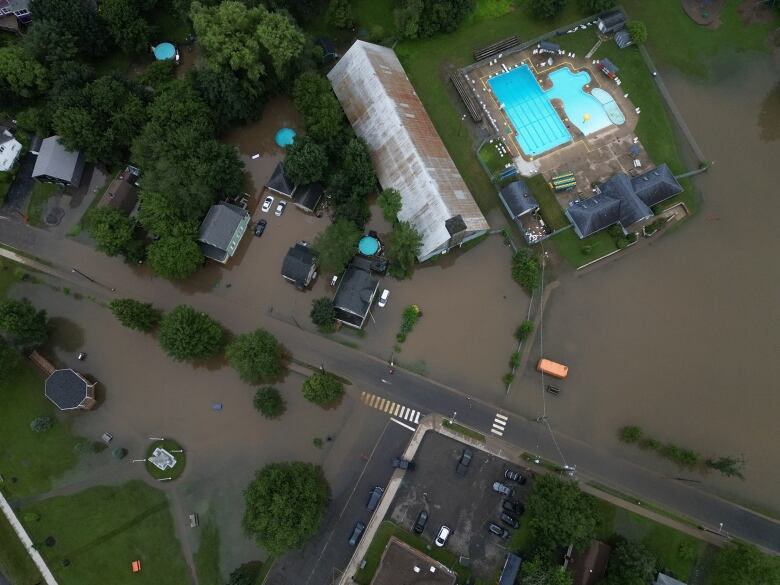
(256, 356)
(187, 334)
(638, 31)
(103, 119)
(323, 314)
(22, 324)
(322, 388)
(339, 14)
(127, 22)
(541, 572)
(559, 515)
(596, 6)
(22, 76)
(424, 18)
(111, 230)
(46, 42)
(233, 100)
(390, 203)
(285, 505)
(525, 269)
(175, 257)
(630, 563)
(77, 18)
(135, 314)
(305, 161)
(336, 245)
(283, 40)
(545, 9)
(738, 563)
(322, 113)
(403, 246)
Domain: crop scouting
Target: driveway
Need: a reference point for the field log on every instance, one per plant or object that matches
(19, 192)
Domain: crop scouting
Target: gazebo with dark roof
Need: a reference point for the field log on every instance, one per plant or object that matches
(69, 390)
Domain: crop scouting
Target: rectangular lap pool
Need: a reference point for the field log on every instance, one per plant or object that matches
(538, 126)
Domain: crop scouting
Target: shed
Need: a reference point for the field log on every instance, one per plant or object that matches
(279, 183)
(608, 68)
(69, 390)
(510, 570)
(354, 296)
(517, 199)
(307, 197)
(122, 193)
(57, 164)
(222, 230)
(10, 149)
(588, 567)
(611, 22)
(548, 47)
(623, 39)
(300, 265)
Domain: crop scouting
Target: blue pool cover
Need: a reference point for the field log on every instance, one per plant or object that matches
(538, 126)
(368, 246)
(164, 51)
(285, 137)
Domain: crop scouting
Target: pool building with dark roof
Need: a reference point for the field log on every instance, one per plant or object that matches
(623, 201)
(222, 230)
(69, 390)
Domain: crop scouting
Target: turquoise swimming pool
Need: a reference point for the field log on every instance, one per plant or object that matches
(538, 126)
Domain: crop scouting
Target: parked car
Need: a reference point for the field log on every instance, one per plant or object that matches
(403, 464)
(267, 203)
(510, 520)
(422, 520)
(513, 507)
(442, 536)
(498, 531)
(357, 532)
(513, 475)
(503, 489)
(334, 280)
(280, 208)
(383, 299)
(373, 498)
(465, 461)
(260, 227)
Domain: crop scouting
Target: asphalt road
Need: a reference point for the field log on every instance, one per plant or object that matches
(372, 375)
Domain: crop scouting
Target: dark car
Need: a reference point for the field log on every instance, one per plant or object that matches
(260, 227)
(422, 520)
(498, 531)
(509, 520)
(357, 532)
(513, 475)
(403, 464)
(373, 498)
(513, 507)
(465, 461)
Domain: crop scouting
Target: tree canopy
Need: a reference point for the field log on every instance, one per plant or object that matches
(630, 563)
(175, 257)
(403, 245)
(322, 114)
(111, 230)
(135, 314)
(21, 76)
(322, 388)
(231, 99)
(187, 334)
(305, 161)
(525, 269)
(336, 245)
(339, 13)
(285, 504)
(738, 563)
(323, 314)
(127, 22)
(425, 18)
(269, 402)
(283, 40)
(77, 18)
(638, 31)
(596, 6)
(560, 514)
(545, 9)
(390, 203)
(540, 572)
(23, 325)
(256, 356)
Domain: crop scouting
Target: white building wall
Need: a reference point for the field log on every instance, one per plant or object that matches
(9, 152)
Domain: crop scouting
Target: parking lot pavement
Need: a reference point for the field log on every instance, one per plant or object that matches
(326, 556)
(465, 504)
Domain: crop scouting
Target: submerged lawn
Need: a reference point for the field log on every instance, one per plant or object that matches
(99, 532)
(207, 557)
(15, 563)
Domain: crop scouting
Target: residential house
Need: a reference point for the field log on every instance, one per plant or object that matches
(10, 149)
(57, 164)
(13, 14)
(122, 193)
(354, 295)
(222, 230)
(307, 197)
(69, 390)
(300, 265)
(623, 201)
(280, 184)
(662, 579)
(588, 567)
(406, 150)
(611, 22)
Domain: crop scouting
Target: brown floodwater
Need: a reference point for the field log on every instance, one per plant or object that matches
(681, 337)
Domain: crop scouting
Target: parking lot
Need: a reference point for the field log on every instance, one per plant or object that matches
(465, 504)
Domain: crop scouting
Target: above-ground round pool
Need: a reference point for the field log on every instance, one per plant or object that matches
(285, 137)
(368, 246)
(164, 51)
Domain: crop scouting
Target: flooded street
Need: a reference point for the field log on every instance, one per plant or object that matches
(681, 337)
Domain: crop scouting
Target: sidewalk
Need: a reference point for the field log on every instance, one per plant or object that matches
(27, 542)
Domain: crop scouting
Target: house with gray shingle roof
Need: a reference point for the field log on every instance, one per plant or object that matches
(517, 199)
(280, 184)
(222, 230)
(354, 296)
(623, 201)
(300, 265)
(57, 164)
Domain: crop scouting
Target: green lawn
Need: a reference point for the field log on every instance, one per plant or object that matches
(576, 251)
(181, 460)
(40, 195)
(381, 538)
(30, 462)
(465, 431)
(207, 557)
(8, 276)
(373, 13)
(549, 208)
(99, 532)
(15, 563)
(493, 160)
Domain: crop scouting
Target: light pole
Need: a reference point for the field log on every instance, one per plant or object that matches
(452, 419)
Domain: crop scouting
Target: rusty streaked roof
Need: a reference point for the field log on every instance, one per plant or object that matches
(408, 154)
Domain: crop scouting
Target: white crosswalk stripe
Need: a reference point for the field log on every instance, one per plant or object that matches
(499, 424)
(392, 408)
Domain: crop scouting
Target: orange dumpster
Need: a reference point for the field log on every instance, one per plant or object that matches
(552, 368)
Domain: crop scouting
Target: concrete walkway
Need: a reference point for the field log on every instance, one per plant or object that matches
(27, 542)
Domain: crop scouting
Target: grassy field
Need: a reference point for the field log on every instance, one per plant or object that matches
(207, 557)
(549, 208)
(30, 462)
(99, 532)
(40, 195)
(579, 252)
(372, 13)
(465, 431)
(15, 563)
(493, 160)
